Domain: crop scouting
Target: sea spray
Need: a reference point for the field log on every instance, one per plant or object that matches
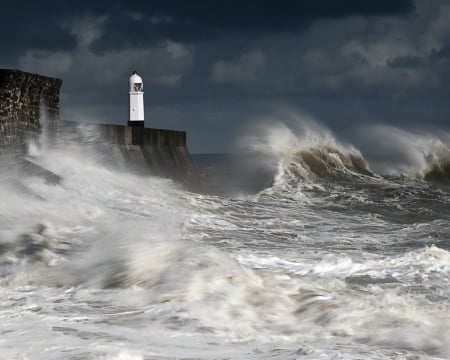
(422, 154)
(108, 264)
(303, 151)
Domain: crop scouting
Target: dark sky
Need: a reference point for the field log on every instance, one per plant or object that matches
(213, 67)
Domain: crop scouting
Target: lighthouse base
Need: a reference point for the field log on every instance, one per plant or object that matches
(136, 123)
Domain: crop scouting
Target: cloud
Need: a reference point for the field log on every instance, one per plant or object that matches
(247, 70)
(45, 62)
(264, 16)
(164, 63)
(87, 29)
(353, 55)
(214, 65)
(437, 34)
(134, 23)
(95, 85)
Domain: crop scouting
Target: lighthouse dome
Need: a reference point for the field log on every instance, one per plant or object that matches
(136, 84)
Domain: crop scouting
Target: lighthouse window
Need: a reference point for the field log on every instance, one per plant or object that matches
(138, 87)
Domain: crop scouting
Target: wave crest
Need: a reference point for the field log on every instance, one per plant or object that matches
(328, 162)
(303, 151)
(423, 155)
(438, 168)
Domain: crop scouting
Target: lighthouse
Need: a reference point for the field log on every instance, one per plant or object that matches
(136, 101)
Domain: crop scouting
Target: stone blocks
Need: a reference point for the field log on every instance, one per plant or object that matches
(23, 98)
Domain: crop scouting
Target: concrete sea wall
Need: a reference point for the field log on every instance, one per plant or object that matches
(145, 151)
(156, 151)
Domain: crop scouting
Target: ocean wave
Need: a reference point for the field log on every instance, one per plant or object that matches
(438, 168)
(327, 162)
(305, 153)
(416, 154)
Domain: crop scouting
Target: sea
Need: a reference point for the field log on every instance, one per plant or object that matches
(300, 246)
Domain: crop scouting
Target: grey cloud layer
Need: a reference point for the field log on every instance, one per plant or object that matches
(138, 23)
(388, 53)
(216, 65)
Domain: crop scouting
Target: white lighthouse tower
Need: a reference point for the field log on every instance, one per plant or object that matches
(136, 101)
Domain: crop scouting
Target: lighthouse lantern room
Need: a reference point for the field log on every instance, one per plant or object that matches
(136, 101)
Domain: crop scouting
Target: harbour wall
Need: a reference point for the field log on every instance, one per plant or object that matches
(146, 151)
(23, 96)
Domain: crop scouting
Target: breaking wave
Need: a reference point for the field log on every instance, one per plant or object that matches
(105, 257)
(327, 162)
(304, 152)
(438, 168)
(423, 155)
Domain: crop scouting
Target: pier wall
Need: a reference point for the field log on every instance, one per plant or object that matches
(23, 97)
(146, 151)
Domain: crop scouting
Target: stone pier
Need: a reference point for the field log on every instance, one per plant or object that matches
(23, 96)
(143, 151)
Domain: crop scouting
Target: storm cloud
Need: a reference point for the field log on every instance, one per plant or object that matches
(213, 67)
(41, 24)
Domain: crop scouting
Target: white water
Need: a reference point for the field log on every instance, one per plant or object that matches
(403, 152)
(136, 268)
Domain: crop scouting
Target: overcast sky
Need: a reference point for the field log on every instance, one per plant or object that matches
(211, 67)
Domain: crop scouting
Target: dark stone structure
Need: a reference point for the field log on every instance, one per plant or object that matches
(145, 151)
(155, 151)
(23, 97)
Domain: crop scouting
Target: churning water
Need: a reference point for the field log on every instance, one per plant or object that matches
(328, 260)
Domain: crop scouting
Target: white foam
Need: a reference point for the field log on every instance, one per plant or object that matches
(145, 270)
(406, 152)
